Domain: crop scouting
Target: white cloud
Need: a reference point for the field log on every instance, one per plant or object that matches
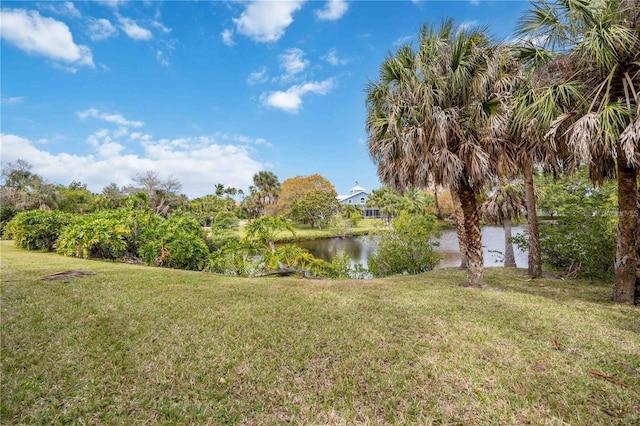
(291, 99)
(467, 25)
(66, 8)
(333, 58)
(133, 30)
(160, 26)
(333, 10)
(111, 3)
(39, 35)
(110, 118)
(266, 21)
(162, 58)
(292, 63)
(403, 40)
(227, 37)
(13, 100)
(257, 76)
(101, 29)
(474, 2)
(244, 140)
(195, 162)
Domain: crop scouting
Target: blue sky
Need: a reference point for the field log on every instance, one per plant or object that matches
(207, 91)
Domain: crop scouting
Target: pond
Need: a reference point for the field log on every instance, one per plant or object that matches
(359, 248)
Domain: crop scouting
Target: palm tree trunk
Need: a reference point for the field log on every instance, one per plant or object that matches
(535, 259)
(627, 249)
(509, 256)
(459, 216)
(638, 253)
(435, 197)
(473, 233)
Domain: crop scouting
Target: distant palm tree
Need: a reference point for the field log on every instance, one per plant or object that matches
(438, 115)
(267, 189)
(504, 204)
(602, 41)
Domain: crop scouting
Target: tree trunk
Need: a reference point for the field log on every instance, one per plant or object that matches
(638, 251)
(509, 256)
(459, 216)
(473, 233)
(535, 259)
(627, 250)
(435, 197)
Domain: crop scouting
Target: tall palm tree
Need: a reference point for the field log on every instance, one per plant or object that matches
(504, 204)
(540, 95)
(602, 39)
(267, 189)
(439, 115)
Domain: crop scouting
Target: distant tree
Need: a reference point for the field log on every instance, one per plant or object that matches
(109, 198)
(504, 204)
(208, 207)
(219, 190)
(267, 188)
(76, 198)
(315, 208)
(388, 201)
(297, 187)
(162, 193)
(24, 190)
(264, 230)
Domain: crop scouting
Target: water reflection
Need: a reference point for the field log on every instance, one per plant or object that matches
(359, 248)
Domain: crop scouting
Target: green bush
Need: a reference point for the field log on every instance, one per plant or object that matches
(232, 258)
(407, 248)
(37, 229)
(6, 214)
(177, 242)
(582, 241)
(582, 245)
(108, 234)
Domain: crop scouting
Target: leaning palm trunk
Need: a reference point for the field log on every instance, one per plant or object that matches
(535, 259)
(509, 256)
(473, 234)
(459, 217)
(626, 280)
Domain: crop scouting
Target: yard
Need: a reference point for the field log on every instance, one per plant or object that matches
(135, 344)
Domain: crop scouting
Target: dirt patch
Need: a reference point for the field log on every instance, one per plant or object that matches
(67, 274)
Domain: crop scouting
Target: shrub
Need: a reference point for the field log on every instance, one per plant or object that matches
(108, 234)
(6, 214)
(580, 244)
(582, 241)
(37, 229)
(232, 258)
(177, 242)
(407, 248)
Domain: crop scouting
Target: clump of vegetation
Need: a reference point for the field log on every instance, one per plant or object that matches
(37, 229)
(582, 240)
(407, 247)
(108, 234)
(177, 242)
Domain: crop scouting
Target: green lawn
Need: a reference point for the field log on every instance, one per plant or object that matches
(139, 345)
(307, 232)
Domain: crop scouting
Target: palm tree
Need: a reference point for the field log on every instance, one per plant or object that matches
(602, 39)
(438, 115)
(267, 188)
(540, 95)
(504, 204)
